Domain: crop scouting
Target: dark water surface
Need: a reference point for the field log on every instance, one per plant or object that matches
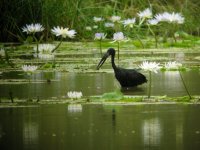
(100, 127)
(163, 83)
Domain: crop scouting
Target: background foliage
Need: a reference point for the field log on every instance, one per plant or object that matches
(77, 14)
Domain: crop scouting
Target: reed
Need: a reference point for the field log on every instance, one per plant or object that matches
(77, 14)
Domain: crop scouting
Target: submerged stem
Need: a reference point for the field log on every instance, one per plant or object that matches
(149, 90)
(185, 85)
(100, 47)
(57, 45)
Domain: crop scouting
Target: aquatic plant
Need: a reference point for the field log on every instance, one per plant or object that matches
(176, 66)
(98, 19)
(4, 57)
(2, 53)
(63, 32)
(171, 18)
(45, 51)
(29, 68)
(172, 65)
(32, 29)
(152, 25)
(109, 25)
(118, 37)
(115, 19)
(129, 22)
(145, 14)
(74, 94)
(100, 37)
(150, 67)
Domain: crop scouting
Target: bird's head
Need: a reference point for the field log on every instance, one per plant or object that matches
(110, 51)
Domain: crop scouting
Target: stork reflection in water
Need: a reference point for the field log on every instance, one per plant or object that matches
(126, 77)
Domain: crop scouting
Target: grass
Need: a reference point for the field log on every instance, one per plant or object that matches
(78, 14)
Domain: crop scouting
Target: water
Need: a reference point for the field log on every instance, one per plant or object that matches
(107, 127)
(163, 83)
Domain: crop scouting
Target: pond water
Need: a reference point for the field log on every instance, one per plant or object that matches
(100, 127)
(163, 83)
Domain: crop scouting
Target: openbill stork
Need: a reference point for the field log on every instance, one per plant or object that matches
(126, 77)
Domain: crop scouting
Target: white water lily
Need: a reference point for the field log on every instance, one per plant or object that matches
(172, 65)
(100, 36)
(115, 18)
(45, 51)
(29, 68)
(98, 19)
(74, 94)
(60, 31)
(88, 28)
(95, 27)
(32, 28)
(118, 36)
(109, 25)
(150, 66)
(170, 17)
(145, 14)
(71, 33)
(2, 52)
(129, 22)
(153, 22)
(45, 48)
(64, 32)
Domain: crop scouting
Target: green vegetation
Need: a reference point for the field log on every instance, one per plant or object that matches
(78, 14)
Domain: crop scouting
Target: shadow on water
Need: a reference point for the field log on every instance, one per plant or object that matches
(163, 83)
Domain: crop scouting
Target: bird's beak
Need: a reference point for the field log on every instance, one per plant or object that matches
(103, 59)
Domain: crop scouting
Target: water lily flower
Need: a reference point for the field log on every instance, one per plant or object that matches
(109, 25)
(45, 48)
(170, 17)
(118, 36)
(129, 22)
(100, 36)
(172, 65)
(115, 18)
(29, 68)
(64, 32)
(74, 94)
(150, 66)
(98, 19)
(45, 51)
(2, 52)
(88, 28)
(32, 28)
(152, 22)
(95, 27)
(71, 33)
(145, 14)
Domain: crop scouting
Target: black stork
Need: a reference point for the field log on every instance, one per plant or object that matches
(126, 77)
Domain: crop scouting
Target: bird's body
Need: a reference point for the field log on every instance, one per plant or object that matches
(126, 77)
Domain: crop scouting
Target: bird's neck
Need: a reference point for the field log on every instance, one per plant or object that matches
(113, 62)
